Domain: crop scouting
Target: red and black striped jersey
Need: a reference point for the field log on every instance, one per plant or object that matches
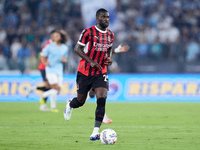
(97, 43)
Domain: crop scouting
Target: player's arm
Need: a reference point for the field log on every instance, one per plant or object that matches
(64, 58)
(44, 60)
(43, 56)
(121, 49)
(108, 61)
(79, 50)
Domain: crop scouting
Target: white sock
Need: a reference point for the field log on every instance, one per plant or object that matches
(53, 96)
(88, 97)
(96, 130)
(47, 93)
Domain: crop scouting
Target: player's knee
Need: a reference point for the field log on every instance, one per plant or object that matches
(47, 84)
(82, 101)
(98, 96)
(101, 102)
(56, 87)
(91, 93)
(54, 91)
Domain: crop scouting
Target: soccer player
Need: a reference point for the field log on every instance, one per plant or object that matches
(53, 56)
(41, 68)
(94, 47)
(91, 94)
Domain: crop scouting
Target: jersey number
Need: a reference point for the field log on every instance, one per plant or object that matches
(105, 77)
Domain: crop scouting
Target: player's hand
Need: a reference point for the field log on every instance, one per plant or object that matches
(124, 48)
(64, 59)
(47, 63)
(108, 61)
(95, 65)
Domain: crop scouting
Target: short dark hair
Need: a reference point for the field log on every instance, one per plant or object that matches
(101, 10)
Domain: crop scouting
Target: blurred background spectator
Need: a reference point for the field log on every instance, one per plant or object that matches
(161, 33)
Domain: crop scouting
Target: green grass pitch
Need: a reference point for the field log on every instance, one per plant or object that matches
(139, 126)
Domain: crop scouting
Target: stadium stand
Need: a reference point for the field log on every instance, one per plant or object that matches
(164, 35)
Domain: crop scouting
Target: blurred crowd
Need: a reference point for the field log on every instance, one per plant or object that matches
(155, 30)
(159, 30)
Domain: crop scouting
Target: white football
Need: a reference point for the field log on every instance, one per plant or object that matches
(108, 137)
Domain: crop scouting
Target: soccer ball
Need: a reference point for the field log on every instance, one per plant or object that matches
(108, 137)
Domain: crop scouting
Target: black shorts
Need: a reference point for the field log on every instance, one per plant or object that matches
(43, 74)
(85, 83)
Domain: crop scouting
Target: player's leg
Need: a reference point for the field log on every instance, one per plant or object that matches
(76, 102)
(30, 89)
(41, 88)
(106, 120)
(100, 85)
(84, 86)
(54, 91)
(91, 94)
(46, 87)
(53, 81)
(53, 96)
(101, 94)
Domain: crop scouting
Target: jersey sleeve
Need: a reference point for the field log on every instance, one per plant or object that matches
(83, 39)
(112, 40)
(45, 51)
(45, 44)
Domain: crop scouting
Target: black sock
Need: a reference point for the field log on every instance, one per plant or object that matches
(45, 99)
(75, 103)
(43, 88)
(100, 111)
(97, 123)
